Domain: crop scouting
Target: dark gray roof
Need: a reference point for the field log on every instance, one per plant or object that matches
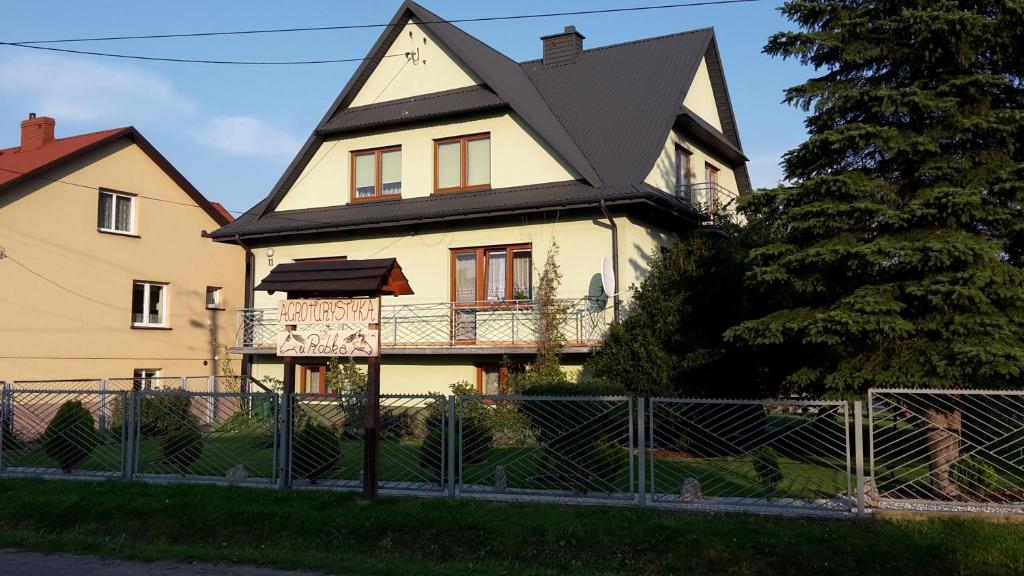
(450, 207)
(414, 109)
(606, 115)
(337, 278)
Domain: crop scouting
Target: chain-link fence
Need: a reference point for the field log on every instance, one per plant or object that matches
(948, 451)
(924, 450)
(545, 447)
(735, 454)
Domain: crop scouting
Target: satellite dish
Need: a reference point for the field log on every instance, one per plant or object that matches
(608, 276)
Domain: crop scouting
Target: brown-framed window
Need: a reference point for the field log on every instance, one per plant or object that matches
(462, 163)
(376, 174)
(492, 274)
(683, 169)
(710, 173)
(312, 379)
(495, 378)
(711, 177)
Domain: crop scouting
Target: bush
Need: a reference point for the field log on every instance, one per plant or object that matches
(183, 445)
(477, 433)
(766, 466)
(71, 436)
(317, 450)
(973, 475)
(159, 415)
(10, 440)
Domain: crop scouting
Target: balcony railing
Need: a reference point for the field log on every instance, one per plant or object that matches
(709, 198)
(582, 322)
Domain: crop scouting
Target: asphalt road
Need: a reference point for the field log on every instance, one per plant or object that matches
(18, 563)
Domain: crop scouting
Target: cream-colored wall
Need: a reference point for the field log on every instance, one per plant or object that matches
(50, 227)
(701, 98)
(434, 68)
(425, 257)
(400, 374)
(639, 244)
(518, 157)
(663, 174)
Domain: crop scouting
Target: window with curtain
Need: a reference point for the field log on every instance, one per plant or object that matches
(507, 274)
(149, 305)
(377, 173)
(462, 163)
(682, 169)
(116, 212)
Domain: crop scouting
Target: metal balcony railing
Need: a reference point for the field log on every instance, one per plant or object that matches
(709, 198)
(582, 322)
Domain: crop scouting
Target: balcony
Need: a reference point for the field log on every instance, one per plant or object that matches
(709, 198)
(452, 327)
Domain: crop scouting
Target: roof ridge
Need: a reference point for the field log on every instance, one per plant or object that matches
(72, 137)
(631, 42)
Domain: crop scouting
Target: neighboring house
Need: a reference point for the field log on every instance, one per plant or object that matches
(105, 270)
(467, 166)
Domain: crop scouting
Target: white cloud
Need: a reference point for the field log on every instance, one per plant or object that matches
(764, 168)
(78, 89)
(247, 136)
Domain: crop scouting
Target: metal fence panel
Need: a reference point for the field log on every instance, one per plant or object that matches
(412, 443)
(54, 432)
(947, 450)
(545, 447)
(326, 439)
(208, 437)
(750, 455)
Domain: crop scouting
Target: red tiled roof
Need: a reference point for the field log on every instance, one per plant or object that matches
(15, 164)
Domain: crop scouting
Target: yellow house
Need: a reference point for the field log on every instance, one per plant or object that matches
(468, 167)
(104, 268)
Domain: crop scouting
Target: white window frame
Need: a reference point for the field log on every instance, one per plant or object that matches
(113, 213)
(217, 303)
(145, 304)
(144, 379)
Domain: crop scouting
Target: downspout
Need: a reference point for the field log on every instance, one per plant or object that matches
(615, 258)
(250, 265)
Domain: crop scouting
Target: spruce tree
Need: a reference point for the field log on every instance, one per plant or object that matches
(899, 239)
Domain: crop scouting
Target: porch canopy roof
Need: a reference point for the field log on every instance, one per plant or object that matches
(337, 279)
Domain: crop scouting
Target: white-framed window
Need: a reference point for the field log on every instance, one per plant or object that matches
(213, 301)
(142, 378)
(116, 212)
(149, 304)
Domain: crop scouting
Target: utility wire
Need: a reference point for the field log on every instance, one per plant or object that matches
(190, 60)
(388, 24)
(7, 256)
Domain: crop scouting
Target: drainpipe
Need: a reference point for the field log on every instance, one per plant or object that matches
(615, 258)
(250, 265)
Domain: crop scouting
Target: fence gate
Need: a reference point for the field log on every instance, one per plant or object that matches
(948, 451)
(750, 455)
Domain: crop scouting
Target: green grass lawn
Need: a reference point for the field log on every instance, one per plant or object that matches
(337, 533)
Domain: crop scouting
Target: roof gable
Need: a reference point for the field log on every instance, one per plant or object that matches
(17, 166)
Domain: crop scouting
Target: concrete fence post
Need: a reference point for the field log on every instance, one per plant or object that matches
(641, 443)
(858, 435)
(5, 419)
(130, 433)
(104, 409)
(450, 464)
(285, 445)
(211, 400)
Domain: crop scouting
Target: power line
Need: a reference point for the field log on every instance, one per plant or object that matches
(191, 60)
(7, 256)
(387, 24)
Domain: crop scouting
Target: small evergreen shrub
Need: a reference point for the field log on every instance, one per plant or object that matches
(477, 433)
(158, 415)
(973, 475)
(71, 436)
(317, 450)
(10, 437)
(766, 466)
(183, 445)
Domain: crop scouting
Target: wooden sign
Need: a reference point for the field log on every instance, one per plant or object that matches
(329, 311)
(360, 342)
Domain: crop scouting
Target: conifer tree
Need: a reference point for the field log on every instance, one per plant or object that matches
(899, 239)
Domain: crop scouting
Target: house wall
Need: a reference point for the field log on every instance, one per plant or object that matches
(76, 323)
(433, 69)
(701, 98)
(518, 157)
(663, 174)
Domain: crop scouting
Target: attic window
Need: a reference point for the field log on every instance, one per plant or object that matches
(116, 212)
(462, 163)
(377, 174)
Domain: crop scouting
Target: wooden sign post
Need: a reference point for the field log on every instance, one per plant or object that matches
(337, 306)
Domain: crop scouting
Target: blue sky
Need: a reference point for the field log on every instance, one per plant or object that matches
(233, 129)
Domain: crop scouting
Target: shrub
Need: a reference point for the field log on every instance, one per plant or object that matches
(317, 449)
(71, 436)
(183, 445)
(10, 440)
(973, 475)
(477, 433)
(158, 415)
(766, 466)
